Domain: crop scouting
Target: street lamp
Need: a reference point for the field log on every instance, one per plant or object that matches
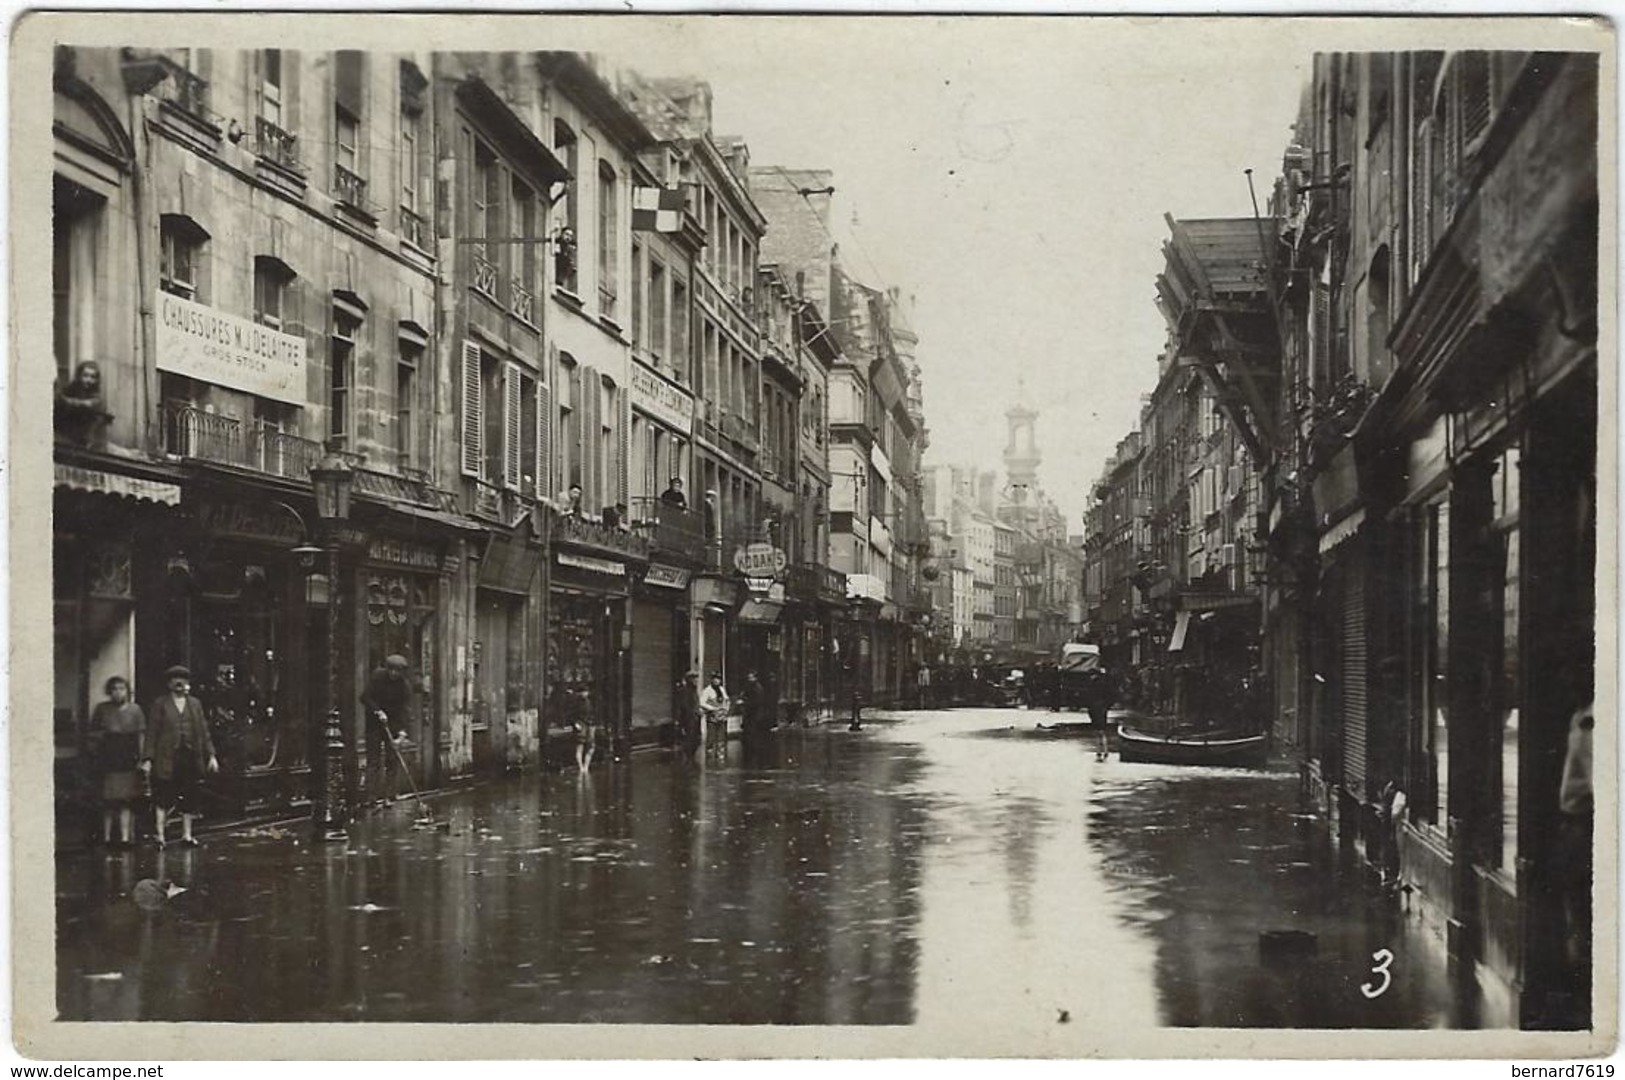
(331, 480)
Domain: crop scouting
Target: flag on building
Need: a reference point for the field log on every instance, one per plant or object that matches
(657, 209)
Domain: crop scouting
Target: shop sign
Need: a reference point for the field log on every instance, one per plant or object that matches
(661, 400)
(202, 343)
(588, 562)
(667, 577)
(135, 487)
(403, 553)
(760, 560)
(247, 521)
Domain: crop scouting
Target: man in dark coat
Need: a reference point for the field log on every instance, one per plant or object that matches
(182, 752)
(673, 495)
(388, 698)
(687, 713)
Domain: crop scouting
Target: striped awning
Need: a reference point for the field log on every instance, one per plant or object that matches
(1342, 531)
(79, 478)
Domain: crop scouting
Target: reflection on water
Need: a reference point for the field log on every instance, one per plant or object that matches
(948, 869)
(650, 893)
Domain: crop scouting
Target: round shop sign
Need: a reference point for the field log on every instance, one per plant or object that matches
(760, 561)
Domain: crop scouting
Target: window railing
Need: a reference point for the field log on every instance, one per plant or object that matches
(275, 145)
(414, 228)
(521, 301)
(349, 187)
(186, 90)
(485, 276)
(409, 485)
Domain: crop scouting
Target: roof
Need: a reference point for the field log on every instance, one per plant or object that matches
(575, 77)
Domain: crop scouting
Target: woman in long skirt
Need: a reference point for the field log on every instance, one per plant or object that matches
(120, 729)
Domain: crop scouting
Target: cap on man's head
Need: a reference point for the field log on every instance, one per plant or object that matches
(396, 661)
(178, 671)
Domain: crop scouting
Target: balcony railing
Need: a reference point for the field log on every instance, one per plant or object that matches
(349, 187)
(493, 503)
(275, 145)
(191, 433)
(584, 532)
(811, 581)
(414, 228)
(409, 485)
(670, 529)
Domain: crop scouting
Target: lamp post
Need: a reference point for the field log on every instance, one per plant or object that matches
(331, 480)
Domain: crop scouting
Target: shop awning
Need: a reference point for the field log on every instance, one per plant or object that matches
(434, 517)
(78, 478)
(1182, 625)
(760, 611)
(1342, 531)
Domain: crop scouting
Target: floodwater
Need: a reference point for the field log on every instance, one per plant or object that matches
(937, 868)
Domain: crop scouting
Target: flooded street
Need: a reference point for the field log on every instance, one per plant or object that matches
(932, 866)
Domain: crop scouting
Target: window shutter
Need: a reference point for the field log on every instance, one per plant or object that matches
(473, 411)
(544, 442)
(511, 457)
(1475, 97)
(591, 398)
(624, 468)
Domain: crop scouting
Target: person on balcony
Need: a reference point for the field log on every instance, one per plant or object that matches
(673, 495)
(570, 501)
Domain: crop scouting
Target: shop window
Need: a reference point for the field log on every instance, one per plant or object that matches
(1507, 677)
(180, 256)
(273, 282)
(1430, 649)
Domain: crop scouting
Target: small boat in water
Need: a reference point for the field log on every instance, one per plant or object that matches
(1211, 747)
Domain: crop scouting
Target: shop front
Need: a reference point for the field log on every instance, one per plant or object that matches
(506, 655)
(712, 606)
(109, 584)
(247, 613)
(589, 628)
(660, 650)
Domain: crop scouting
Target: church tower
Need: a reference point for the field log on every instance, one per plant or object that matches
(1021, 456)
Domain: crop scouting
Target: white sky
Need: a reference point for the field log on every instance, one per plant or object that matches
(1011, 175)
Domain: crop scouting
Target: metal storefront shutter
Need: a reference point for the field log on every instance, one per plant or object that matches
(1353, 683)
(652, 674)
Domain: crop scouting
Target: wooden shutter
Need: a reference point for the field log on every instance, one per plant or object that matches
(590, 405)
(473, 412)
(623, 469)
(1475, 97)
(511, 434)
(544, 442)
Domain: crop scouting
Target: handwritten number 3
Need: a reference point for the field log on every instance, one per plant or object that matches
(1384, 959)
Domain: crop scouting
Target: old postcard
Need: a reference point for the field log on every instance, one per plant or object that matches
(717, 536)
